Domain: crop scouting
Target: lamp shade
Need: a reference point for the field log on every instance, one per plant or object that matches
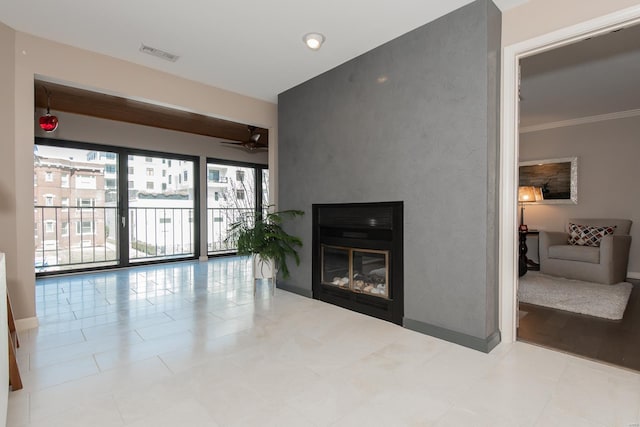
(526, 194)
(537, 192)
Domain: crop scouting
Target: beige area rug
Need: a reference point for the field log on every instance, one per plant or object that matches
(593, 299)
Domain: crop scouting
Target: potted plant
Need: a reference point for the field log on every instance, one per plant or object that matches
(262, 236)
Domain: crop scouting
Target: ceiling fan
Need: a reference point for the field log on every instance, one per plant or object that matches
(252, 143)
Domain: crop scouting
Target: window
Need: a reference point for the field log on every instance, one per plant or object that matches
(149, 171)
(85, 203)
(240, 194)
(130, 184)
(148, 159)
(164, 186)
(164, 161)
(48, 200)
(169, 179)
(217, 219)
(240, 176)
(164, 173)
(131, 170)
(65, 203)
(111, 196)
(216, 196)
(149, 185)
(179, 179)
(186, 176)
(64, 229)
(64, 180)
(109, 183)
(48, 176)
(50, 226)
(110, 156)
(86, 182)
(110, 168)
(130, 157)
(165, 220)
(84, 227)
(214, 175)
(169, 163)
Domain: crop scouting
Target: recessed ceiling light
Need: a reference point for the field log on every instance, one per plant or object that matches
(313, 40)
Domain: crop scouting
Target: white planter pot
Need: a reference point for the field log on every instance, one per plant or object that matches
(264, 269)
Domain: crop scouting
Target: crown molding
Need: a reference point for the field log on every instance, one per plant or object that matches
(581, 121)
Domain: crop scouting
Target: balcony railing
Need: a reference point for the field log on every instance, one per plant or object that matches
(220, 180)
(157, 233)
(69, 237)
(218, 222)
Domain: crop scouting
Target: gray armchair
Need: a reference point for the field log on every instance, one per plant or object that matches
(605, 264)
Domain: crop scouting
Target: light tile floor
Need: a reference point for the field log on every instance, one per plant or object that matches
(187, 344)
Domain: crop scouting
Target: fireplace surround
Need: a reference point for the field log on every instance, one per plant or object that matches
(358, 257)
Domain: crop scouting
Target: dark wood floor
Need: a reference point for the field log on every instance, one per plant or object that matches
(610, 341)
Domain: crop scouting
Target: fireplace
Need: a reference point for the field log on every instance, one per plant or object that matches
(357, 257)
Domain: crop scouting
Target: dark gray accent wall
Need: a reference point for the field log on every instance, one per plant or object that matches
(415, 120)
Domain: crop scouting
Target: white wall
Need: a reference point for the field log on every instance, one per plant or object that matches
(608, 174)
(76, 127)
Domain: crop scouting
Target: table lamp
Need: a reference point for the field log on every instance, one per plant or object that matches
(527, 194)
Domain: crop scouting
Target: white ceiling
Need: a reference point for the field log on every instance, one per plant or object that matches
(252, 47)
(590, 78)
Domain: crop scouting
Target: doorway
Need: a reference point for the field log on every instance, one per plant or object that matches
(580, 108)
(510, 151)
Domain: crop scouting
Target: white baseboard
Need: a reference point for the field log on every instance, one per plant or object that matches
(27, 323)
(633, 275)
(203, 258)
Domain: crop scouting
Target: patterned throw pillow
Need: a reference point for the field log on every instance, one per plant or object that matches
(585, 235)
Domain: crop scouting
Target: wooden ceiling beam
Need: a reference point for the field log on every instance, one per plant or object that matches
(94, 104)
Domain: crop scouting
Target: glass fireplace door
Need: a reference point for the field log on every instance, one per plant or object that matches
(359, 270)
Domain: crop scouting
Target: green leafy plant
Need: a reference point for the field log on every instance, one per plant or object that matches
(263, 235)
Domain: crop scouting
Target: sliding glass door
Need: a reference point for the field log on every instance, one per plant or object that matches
(161, 199)
(232, 191)
(97, 207)
(75, 197)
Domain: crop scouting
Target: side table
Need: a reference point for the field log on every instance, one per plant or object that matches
(531, 265)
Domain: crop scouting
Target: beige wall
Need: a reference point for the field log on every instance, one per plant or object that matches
(538, 17)
(608, 174)
(36, 56)
(8, 237)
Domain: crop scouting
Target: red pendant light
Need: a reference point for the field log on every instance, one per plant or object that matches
(48, 123)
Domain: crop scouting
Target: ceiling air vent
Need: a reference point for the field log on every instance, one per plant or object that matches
(159, 53)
